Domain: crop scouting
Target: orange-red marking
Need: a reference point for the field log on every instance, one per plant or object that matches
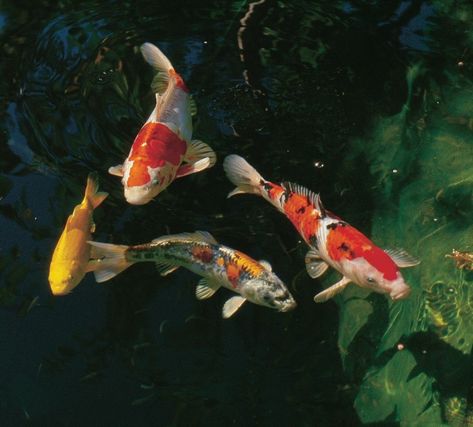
(233, 273)
(179, 81)
(346, 242)
(203, 253)
(154, 145)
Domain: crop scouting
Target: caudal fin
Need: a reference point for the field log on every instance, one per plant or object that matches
(154, 57)
(92, 193)
(107, 260)
(242, 174)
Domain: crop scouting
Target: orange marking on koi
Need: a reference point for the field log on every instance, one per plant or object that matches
(203, 253)
(179, 81)
(233, 273)
(154, 145)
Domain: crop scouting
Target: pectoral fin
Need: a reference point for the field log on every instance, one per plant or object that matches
(165, 269)
(401, 258)
(199, 156)
(191, 168)
(332, 290)
(116, 170)
(314, 264)
(206, 288)
(231, 306)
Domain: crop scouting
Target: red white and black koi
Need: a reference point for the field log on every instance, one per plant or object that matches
(200, 253)
(333, 242)
(163, 149)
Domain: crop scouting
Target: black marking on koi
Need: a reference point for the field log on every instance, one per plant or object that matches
(334, 225)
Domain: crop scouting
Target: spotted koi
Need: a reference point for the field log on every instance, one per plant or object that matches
(333, 242)
(200, 253)
(163, 150)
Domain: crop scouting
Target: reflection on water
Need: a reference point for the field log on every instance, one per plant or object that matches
(369, 103)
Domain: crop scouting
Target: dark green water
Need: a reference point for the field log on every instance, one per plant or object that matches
(369, 103)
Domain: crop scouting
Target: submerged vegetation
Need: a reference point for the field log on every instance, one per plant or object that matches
(368, 103)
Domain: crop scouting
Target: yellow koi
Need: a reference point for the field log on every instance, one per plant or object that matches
(71, 256)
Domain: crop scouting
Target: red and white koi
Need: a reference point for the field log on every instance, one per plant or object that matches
(333, 242)
(200, 253)
(163, 149)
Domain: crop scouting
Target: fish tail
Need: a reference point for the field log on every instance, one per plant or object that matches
(163, 67)
(107, 260)
(92, 193)
(243, 175)
(154, 57)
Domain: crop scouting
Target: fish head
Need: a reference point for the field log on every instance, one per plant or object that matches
(381, 280)
(268, 290)
(143, 183)
(63, 277)
(140, 195)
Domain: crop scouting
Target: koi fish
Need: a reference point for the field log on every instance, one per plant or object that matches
(332, 241)
(200, 253)
(163, 149)
(70, 259)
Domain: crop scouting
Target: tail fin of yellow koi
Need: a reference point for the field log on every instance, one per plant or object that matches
(242, 174)
(92, 193)
(107, 260)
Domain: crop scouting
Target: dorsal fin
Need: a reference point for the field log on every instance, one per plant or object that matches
(313, 198)
(196, 236)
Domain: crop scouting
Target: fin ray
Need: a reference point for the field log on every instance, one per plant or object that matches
(333, 290)
(116, 170)
(231, 306)
(206, 288)
(401, 258)
(197, 150)
(108, 260)
(196, 236)
(92, 193)
(165, 268)
(242, 174)
(313, 198)
(314, 264)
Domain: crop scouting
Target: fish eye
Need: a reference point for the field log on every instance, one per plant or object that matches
(370, 279)
(267, 297)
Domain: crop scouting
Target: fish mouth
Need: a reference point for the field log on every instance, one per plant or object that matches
(288, 306)
(137, 196)
(403, 293)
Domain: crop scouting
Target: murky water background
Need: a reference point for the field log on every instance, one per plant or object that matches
(368, 103)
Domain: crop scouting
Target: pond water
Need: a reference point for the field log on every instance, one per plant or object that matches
(368, 103)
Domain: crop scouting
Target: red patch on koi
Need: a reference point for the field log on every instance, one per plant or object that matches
(154, 145)
(297, 208)
(203, 253)
(303, 215)
(233, 274)
(179, 81)
(346, 242)
(382, 262)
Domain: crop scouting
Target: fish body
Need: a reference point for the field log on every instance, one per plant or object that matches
(199, 252)
(71, 256)
(333, 242)
(163, 149)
